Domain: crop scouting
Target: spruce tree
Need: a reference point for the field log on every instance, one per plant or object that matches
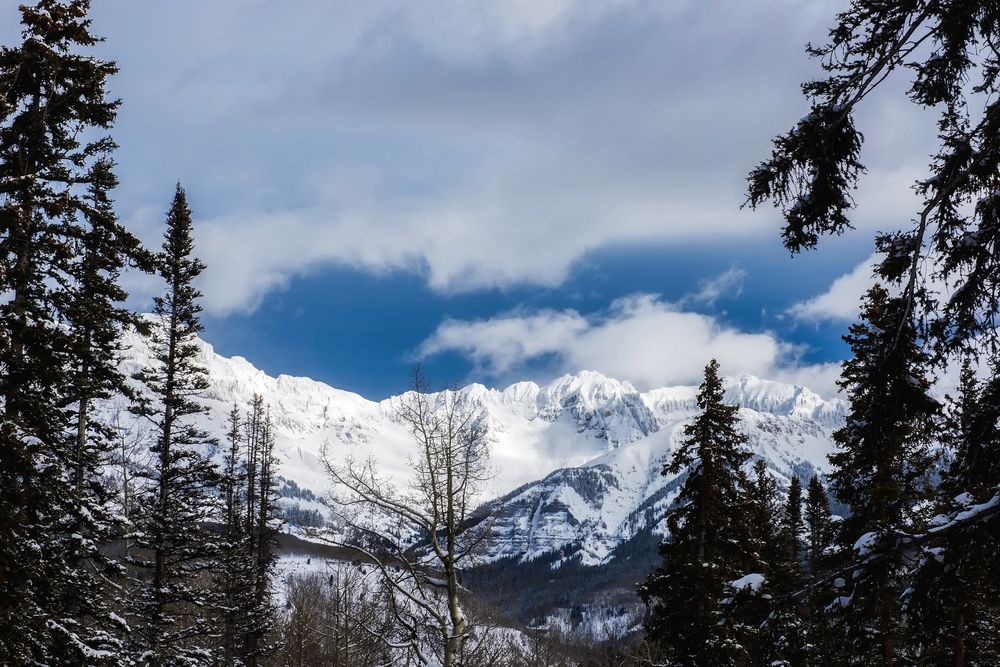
(820, 644)
(248, 548)
(792, 522)
(881, 468)
(235, 596)
(953, 600)
(174, 550)
(818, 520)
(261, 617)
(772, 631)
(707, 540)
(766, 513)
(61, 250)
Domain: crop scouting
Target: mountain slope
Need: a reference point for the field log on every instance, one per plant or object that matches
(577, 461)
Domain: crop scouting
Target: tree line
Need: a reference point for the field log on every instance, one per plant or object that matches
(908, 576)
(171, 560)
(175, 563)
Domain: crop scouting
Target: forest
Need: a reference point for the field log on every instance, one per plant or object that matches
(130, 535)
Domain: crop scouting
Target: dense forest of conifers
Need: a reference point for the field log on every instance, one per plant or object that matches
(121, 550)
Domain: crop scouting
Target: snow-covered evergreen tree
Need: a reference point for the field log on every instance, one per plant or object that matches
(175, 552)
(61, 249)
(236, 566)
(707, 544)
(818, 520)
(881, 470)
(262, 542)
(953, 600)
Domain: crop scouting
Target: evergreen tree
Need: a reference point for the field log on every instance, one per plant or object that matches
(170, 610)
(235, 598)
(772, 629)
(708, 534)
(953, 601)
(955, 234)
(261, 617)
(792, 522)
(61, 250)
(818, 520)
(881, 467)
(246, 580)
(766, 514)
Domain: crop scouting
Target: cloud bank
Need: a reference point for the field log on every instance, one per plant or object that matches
(479, 144)
(640, 338)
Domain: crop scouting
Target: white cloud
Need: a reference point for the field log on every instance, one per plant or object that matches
(500, 345)
(641, 338)
(729, 283)
(842, 301)
(480, 143)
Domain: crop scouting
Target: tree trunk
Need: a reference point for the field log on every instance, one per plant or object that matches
(960, 638)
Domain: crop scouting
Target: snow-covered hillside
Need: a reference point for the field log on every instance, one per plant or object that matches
(577, 461)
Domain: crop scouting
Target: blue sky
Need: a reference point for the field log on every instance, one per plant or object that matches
(500, 190)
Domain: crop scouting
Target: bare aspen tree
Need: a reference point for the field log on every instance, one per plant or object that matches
(334, 619)
(420, 537)
(130, 454)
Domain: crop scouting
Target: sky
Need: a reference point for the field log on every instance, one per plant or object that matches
(497, 190)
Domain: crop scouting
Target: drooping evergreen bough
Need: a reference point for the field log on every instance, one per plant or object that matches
(945, 266)
(61, 252)
(708, 536)
(950, 49)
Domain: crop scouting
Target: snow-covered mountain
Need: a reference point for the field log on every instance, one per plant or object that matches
(577, 461)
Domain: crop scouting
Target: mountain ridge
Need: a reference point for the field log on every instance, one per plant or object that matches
(578, 459)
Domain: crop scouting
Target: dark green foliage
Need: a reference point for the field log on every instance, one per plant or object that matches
(792, 522)
(881, 467)
(236, 568)
(61, 251)
(708, 537)
(174, 549)
(950, 49)
(768, 621)
(952, 601)
(245, 580)
(261, 538)
(818, 521)
(882, 458)
(771, 542)
(972, 431)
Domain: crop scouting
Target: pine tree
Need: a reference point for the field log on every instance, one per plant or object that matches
(820, 643)
(772, 629)
(708, 533)
(766, 514)
(261, 618)
(953, 600)
(792, 522)
(881, 466)
(246, 579)
(58, 239)
(235, 597)
(170, 611)
(818, 520)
